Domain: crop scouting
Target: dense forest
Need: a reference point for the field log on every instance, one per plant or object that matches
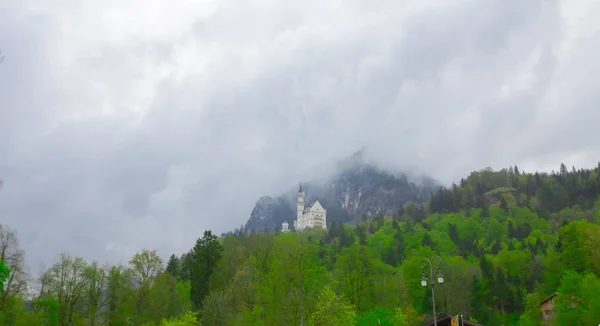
(506, 239)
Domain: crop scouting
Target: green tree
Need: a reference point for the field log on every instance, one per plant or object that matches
(217, 308)
(95, 276)
(503, 203)
(376, 316)
(15, 284)
(144, 268)
(355, 266)
(332, 310)
(577, 301)
(47, 310)
(206, 254)
(187, 319)
(350, 275)
(4, 272)
(532, 314)
(400, 318)
(173, 265)
(580, 246)
(478, 306)
(361, 233)
(118, 290)
(167, 298)
(65, 281)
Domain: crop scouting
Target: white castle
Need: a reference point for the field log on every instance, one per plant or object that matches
(314, 216)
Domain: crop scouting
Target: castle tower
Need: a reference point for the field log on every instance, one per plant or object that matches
(300, 207)
(285, 227)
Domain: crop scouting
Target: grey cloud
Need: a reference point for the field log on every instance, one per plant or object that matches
(144, 135)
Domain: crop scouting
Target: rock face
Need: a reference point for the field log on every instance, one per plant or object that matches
(358, 190)
(268, 211)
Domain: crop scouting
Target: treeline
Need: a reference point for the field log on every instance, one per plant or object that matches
(75, 292)
(507, 239)
(544, 193)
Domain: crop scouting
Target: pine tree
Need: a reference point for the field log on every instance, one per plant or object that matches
(538, 179)
(346, 239)
(500, 290)
(485, 211)
(478, 300)
(512, 233)
(454, 234)
(399, 247)
(563, 169)
(427, 241)
(496, 247)
(486, 268)
(362, 235)
(503, 204)
(372, 227)
(173, 266)
(540, 246)
(206, 254)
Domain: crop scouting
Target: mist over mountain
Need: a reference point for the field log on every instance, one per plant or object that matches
(358, 188)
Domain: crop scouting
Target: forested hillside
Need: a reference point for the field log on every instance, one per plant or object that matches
(507, 240)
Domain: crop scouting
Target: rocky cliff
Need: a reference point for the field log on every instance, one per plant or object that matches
(358, 189)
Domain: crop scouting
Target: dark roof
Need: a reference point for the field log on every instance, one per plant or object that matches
(574, 298)
(439, 319)
(470, 323)
(446, 319)
(548, 298)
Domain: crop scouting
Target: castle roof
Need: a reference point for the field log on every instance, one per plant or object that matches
(317, 205)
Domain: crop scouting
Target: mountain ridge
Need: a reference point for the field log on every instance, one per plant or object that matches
(357, 189)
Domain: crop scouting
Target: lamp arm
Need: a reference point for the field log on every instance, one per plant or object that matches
(428, 261)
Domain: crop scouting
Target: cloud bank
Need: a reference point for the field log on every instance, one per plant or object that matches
(136, 124)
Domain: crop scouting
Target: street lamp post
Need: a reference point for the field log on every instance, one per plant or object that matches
(440, 279)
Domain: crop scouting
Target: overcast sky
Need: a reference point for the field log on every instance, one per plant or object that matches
(130, 124)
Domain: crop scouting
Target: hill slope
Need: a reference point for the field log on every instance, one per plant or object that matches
(506, 240)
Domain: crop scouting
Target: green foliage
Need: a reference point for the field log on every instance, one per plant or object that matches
(399, 318)
(532, 314)
(205, 256)
(47, 310)
(507, 239)
(146, 272)
(577, 301)
(187, 319)
(4, 272)
(332, 310)
(173, 266)
(376, 316)
(354, 269)
(580, 246)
